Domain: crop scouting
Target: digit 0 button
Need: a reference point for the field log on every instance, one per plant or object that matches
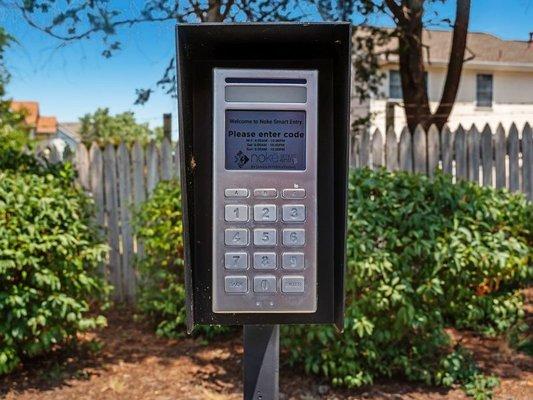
(293, 213)
(236, 213)
(264, 284)
(293, 237)
(265, 213)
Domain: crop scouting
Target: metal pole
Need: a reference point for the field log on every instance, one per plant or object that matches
(261, 362)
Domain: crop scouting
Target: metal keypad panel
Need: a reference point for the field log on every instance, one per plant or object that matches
(264, 221)
(266, 253)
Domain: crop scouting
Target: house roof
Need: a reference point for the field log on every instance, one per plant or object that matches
(42, 125)
(481, 48)
(29, 108)
(71, 129)
(46, 125)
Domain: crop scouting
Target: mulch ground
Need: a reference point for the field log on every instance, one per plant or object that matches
(134, 364)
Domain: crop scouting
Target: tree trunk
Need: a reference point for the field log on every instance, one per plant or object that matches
(412, 64)
(455, 64)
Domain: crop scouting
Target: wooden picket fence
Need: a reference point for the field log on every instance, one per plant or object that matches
(501, 159)
(120, 178)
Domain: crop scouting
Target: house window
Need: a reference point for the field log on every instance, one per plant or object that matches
(395, 84)
(484, 90)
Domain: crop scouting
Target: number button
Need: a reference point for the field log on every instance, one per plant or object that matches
(265, 213)
(292, 261)
(292, 284)
(236, 260)
(236, 284)
(265, 284)
(265, 237)
(293, 213)
(293, 237)
(236, 237)
(264, 260)
(236, 213)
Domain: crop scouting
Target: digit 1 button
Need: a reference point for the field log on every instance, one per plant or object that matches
(236, 237)
(293, 237)
(236, 213)
(265, 213)
(293, 213)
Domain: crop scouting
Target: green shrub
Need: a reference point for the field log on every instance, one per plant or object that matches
(422, 255)
(162, 293)
(49, 255)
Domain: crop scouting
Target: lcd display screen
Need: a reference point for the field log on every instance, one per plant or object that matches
(268, 140)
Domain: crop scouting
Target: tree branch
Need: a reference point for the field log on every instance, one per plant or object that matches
(455, 63)
(396, 10)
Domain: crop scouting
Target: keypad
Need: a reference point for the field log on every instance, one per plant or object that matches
(265, 239)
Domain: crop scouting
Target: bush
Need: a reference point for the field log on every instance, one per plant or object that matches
(162, 293)
(49, 255)
(422, 255)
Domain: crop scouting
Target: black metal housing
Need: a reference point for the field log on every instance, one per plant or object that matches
(202, 47)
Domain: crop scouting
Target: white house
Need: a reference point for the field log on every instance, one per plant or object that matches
(496, 84)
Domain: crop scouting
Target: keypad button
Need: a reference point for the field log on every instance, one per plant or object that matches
(236, 237)
(264, 260)
(236, 192)
(265, 213)
(236, 284)
(293, 193)
(265, 237)
(236, 260)
(236, 213)
(293, 261)
(266, 193)
(293, 213)
(293, 237)
(292, 284)
(264, 284)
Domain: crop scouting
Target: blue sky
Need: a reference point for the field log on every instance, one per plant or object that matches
(69, 81)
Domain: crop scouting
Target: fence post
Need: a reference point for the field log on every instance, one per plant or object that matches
(486, 155)
(527, 160)
(433, 150)
(420, 151)
(406, 151)
(377, 150)
(512, 150)
(391, 150)
(499, 156)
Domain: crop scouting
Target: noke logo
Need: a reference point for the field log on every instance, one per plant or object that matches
(241, 159)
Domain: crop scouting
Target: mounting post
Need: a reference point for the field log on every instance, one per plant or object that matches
(261, 362)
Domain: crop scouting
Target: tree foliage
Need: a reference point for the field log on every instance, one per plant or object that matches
(69, 20)
(102, 127)
(13, 134)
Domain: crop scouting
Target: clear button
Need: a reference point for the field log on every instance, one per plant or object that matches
(236, 284)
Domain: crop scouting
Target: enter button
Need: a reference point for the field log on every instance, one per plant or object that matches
(292, 284)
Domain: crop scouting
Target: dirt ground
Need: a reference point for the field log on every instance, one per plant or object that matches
(135, 364)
